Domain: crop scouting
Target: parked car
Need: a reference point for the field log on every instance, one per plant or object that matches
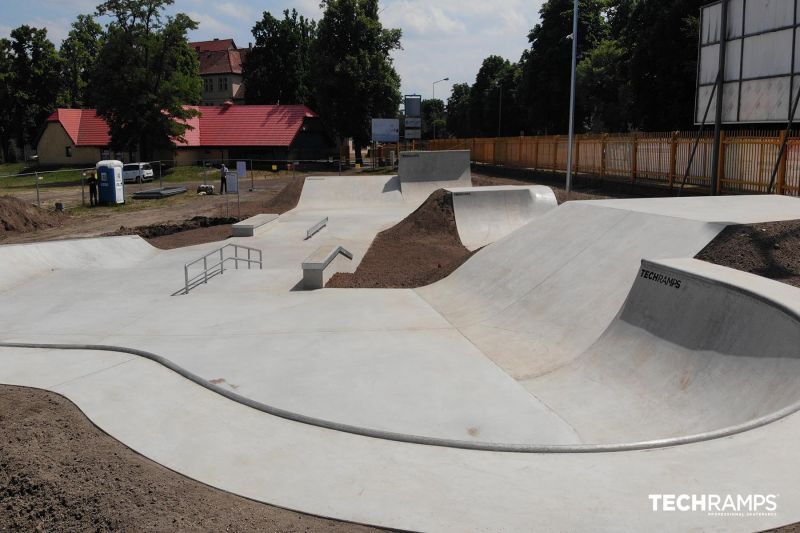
(137, 172)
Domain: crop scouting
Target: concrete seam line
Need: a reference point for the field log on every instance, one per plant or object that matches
(416, 439)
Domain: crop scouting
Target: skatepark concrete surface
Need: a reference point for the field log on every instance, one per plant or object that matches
(564, 373)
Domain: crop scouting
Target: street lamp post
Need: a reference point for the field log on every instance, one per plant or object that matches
(572, 98)
(433, 97)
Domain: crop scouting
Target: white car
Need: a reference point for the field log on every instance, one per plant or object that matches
(137, 172)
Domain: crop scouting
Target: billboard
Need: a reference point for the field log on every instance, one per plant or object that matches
(762, 60)
(386, 130)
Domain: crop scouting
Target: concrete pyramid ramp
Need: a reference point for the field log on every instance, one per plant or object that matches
(487, 214)
(422, 173)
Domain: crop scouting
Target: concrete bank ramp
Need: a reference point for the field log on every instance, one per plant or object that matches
(541, 296)
(23, 261)
(487, 214)
(422, 173)
(341, 192)
(696, 349)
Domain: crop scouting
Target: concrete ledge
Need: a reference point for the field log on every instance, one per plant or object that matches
(315, 265)
(248, 227)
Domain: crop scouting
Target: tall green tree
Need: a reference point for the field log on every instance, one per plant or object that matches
(278, 67)
(546, 77)
(146, 75)
(660, 40)
(458, 106)
(433, 113)
(78, 55)
(493, 98)
(34, 82)
(355, 79)
(604, 88)
(6, 101)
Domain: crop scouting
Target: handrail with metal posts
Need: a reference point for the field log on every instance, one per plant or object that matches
(219, 267)
(316, 228)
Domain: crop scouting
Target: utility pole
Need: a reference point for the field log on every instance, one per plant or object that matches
(720, 85)
(433, 98)
(572, 97)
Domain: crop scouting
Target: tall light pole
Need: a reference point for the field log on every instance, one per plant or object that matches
(572, 97)
(433, 97)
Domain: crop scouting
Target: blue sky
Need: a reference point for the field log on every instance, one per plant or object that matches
(441, 38)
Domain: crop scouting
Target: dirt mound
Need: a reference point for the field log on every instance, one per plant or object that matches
(420, 250)
(771, 250)
(58, 472)
(287, 199)
(18, 216)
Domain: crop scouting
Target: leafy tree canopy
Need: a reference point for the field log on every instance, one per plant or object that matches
(146, 73)
(278, 67)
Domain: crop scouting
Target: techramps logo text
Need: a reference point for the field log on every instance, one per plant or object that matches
(743, 505)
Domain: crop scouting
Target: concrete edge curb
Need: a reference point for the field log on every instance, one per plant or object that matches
(415, 439)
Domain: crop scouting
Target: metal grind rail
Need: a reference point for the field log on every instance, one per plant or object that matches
(218, 268)
(316, 228)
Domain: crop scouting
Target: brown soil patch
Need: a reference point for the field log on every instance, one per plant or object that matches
(771, 250)
(420, 250)
(19, 216)
(58, 472)
(483, 180)
(201, 229)
(287, 199)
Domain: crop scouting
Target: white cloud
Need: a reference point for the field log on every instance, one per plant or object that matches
(211, 27)
(237, 10)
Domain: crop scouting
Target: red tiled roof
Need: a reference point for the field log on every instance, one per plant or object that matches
(83, 126)
(232, 125)
(221, 62)
(216, 45)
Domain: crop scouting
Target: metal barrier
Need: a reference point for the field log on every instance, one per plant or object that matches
(313, 230)
(218, 268)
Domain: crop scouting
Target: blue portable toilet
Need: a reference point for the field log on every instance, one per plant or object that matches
(109, 178)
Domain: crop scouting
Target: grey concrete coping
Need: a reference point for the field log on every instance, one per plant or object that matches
(248, 227)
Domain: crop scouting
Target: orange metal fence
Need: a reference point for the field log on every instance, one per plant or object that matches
(747, 157)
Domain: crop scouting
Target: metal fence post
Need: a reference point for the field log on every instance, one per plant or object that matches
(634, 157)
(38, 202)
(782, 168)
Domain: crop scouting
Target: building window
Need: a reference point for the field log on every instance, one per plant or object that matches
(68, 151)
(208, 85)
(223, 83)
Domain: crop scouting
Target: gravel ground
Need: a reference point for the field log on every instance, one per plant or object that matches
(58, 472)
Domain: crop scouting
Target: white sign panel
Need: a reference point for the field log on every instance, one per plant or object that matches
(413, 122)
(386, 130)
(232, 183)
(413, 134)
(241, 169)
(761, 39)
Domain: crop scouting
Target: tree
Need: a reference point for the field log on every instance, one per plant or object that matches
(604, 88)
(78, 55)
(433, 113)
(546, 76)
(660, 39)
(355, 79)
(33, 83)
(493, 98)
(6, 101)
(458, 111)
(278, 67)
(147, 75)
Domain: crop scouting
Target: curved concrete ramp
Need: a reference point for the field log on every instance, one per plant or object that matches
(23, 261)
(338, 192)
(422, 173)
(487, 214)
(696, 349)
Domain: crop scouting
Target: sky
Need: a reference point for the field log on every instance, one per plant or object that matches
(441, 38)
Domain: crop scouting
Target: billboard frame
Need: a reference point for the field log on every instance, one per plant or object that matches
(741, 35)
